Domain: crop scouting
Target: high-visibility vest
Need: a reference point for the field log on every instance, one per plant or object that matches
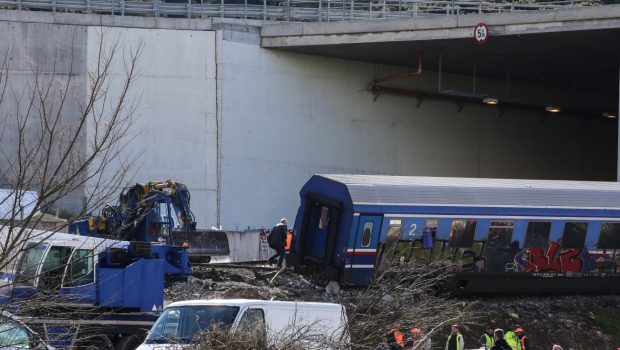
(399, 336)
(289, 239)
(459, 338)
(513, 340)
(489, 341)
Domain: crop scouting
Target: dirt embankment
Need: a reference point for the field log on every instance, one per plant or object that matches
(574, 322)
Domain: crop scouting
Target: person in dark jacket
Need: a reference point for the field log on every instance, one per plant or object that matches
(500, 342)
(455, 340)
(277, 241)
(525, 343)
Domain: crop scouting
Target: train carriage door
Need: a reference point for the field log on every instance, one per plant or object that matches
(363, 253)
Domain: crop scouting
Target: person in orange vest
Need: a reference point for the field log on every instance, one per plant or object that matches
(525, 343)
(289, 239)
(398, 335)
(389, 343)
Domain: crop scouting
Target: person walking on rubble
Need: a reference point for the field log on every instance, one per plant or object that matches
(500, 342)
(486, 340)
(277, 241)
(455, 339)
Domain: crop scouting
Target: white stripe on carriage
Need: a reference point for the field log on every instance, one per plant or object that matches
(485, 206)
(362, 266)
(349, 250)
(500, 217)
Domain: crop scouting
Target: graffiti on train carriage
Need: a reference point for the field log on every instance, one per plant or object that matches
(494, 235)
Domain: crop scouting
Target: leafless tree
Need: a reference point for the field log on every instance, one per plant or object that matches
(402, 298)
(57, 141)
(64, 133)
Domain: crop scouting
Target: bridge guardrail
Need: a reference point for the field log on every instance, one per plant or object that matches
(289, 10)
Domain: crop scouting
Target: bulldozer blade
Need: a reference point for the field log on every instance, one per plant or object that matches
(202, 243)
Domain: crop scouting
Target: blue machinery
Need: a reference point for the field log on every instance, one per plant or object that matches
(105, 290)
(104, 281)
(155, 212)
(513, 236)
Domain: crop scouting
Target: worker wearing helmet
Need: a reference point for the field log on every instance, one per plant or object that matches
(455, 339)
(525, 343)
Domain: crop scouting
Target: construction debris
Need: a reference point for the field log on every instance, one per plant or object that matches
(546, 319)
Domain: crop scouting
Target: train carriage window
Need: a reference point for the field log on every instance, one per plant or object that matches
(574, 234)
(394, 229)
(498, 251)
(367, 234)
(609, 237)
(324, 220)
(500, 234)
(537, 234)
(462, 233)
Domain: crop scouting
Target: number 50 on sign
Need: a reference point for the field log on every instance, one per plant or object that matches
(481, 33)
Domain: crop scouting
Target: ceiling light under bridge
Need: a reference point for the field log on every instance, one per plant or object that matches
(553, 109)
(490, 100)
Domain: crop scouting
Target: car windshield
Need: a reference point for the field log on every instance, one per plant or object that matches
(181, 324)
(13, 335)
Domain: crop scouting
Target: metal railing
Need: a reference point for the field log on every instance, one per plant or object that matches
(288, 10)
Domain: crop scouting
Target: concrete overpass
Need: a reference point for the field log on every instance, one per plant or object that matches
(571, 48)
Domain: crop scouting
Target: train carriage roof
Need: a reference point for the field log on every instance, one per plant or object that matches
(418, 190)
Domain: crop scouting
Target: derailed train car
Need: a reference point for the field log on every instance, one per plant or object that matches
(497, 235)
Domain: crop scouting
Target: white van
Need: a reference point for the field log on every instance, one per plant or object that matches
(313, 325)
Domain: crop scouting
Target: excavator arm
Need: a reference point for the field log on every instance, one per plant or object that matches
(147, 213)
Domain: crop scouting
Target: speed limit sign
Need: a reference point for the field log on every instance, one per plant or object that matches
(481, 33)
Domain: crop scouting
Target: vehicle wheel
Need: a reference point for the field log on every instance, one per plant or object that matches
(129, 342)
(92, 342)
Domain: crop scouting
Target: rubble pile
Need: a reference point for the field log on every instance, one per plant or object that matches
(575, 322)
(247, 283)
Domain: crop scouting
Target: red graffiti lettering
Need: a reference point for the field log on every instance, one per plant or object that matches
(567, 260)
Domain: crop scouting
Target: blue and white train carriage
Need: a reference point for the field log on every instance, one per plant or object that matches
(512, 236)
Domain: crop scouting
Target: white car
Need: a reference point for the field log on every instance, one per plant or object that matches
(313, 324)
(16, 335)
